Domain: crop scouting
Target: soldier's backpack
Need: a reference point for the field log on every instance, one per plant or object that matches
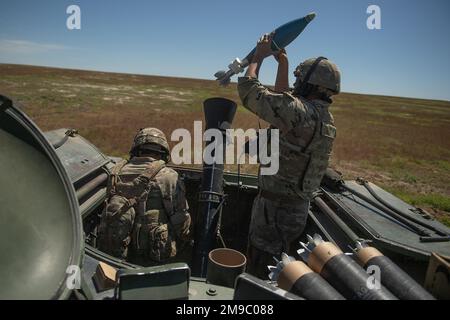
(125, 200)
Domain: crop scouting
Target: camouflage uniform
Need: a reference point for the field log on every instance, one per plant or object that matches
(280, 209)
(155, 221)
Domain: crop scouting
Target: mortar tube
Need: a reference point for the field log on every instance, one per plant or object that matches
(218, 111)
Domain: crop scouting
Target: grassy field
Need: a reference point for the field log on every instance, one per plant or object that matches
(399, 143)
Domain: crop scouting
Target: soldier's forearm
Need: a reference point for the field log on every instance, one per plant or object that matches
(282, 81)
(254, 66)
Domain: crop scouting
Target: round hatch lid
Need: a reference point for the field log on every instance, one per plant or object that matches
(41, 233)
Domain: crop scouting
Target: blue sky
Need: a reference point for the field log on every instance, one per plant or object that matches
(409, 56)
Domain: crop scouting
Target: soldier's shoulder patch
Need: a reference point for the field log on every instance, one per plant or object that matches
(328, 130)
(167, 179)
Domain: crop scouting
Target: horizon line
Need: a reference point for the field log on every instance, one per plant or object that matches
(204, 79)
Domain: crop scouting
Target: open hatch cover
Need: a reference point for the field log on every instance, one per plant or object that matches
(41, 230)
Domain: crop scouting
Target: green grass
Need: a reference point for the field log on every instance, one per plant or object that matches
(445, 220)
(436, 201)
(432, 200)
(444, 165)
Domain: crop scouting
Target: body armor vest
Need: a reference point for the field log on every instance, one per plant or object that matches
(304, 155)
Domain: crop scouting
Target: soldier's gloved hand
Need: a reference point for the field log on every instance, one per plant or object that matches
(182, 222)
(184, 233)
(281, 56)
(264, 46)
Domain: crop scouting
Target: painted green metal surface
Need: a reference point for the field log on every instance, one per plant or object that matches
(41, 234)
(78, 155)
(384, 230)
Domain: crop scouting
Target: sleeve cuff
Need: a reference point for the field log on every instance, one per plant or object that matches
(246, 79)
(246, 84)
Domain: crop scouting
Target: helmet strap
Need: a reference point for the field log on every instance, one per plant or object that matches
(304, 83)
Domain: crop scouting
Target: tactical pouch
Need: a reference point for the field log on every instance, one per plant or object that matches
(153, 242)
(151, 239)
(114, 233)
(162, 244)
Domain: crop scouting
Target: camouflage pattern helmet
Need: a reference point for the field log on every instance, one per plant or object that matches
(150, 139)
(325, 74)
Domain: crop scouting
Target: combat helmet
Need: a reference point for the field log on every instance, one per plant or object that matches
(319, 72)
(151, 139)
